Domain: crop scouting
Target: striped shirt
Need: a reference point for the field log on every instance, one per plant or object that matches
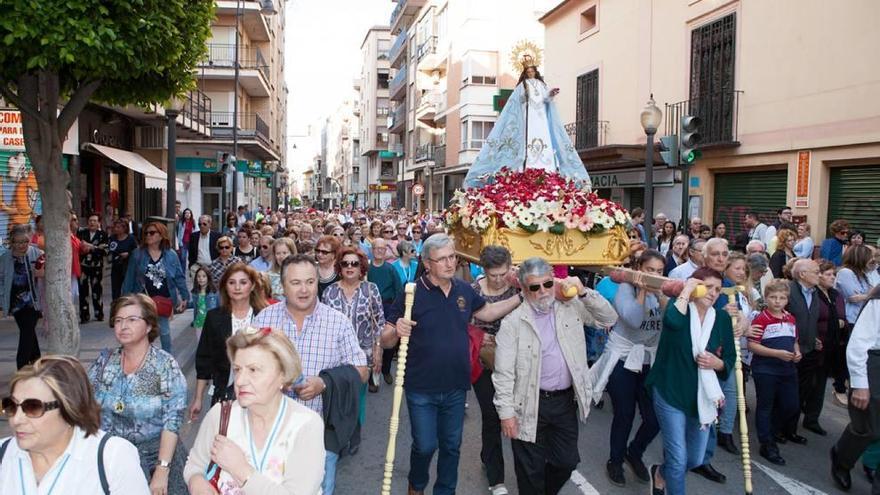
(327, 340)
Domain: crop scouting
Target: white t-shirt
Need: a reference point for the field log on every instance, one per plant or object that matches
(76, 471)
(204, 257)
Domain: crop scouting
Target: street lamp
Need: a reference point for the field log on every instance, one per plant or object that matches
(650, 119)
(172, 110)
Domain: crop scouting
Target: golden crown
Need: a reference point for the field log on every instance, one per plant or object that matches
(525, 53)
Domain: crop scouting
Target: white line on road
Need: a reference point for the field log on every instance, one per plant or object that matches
(585, 487)
(792, 486)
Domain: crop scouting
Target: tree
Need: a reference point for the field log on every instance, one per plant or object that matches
(56, 56)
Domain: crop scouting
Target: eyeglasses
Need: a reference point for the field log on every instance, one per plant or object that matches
(536, 287)
(350, 264)
(388, 231)
(131, 320)
(224, 248)
(203, 224)
(265, 247)
(446, 259)
(33, 408)
(323, 251)
(416, 231)
(341, 234)
(151, 232)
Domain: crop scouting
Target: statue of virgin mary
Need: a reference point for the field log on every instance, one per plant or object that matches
(528, 134)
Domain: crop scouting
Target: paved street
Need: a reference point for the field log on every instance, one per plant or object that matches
(806, 472)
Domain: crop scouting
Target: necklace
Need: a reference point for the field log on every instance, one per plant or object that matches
(119, 406)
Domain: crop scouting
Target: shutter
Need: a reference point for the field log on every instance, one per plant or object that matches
(587, 111)
(853, 197)
(737, 194)
(20, 200)
(636, 197)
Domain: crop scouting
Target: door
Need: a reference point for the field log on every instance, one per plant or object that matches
(737, 194)
(211, 204)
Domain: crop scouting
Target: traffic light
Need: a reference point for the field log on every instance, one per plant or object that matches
(669, 150)
(688, 138)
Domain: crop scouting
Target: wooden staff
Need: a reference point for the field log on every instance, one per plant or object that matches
(732, 293)
(394, 422)
(669, 286)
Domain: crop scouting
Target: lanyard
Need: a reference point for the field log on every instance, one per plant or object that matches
(52, 486)
(268, 446)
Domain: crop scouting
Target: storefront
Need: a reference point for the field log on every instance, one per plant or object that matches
(384, 196)
(627, 187)
(854, 194)
(737, 193)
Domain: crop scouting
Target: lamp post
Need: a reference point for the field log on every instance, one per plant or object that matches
(172, 110)
(650, 119)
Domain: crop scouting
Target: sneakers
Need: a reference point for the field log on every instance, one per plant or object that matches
(498, 489)
(615, 474)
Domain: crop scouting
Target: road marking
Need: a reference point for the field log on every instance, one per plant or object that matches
(792, 486)
(585, 487)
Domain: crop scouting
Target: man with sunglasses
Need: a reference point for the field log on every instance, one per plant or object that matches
(540, 378)
(438, 364)
(203, 244)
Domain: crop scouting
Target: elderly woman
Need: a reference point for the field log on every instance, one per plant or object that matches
(784, 251)
(224, 259)
(391, 240)
(360, 300)
(273, 445)
(758, 277)
(623, 367)
(677, 254)
(281, 249)
(20, 275)
(325, 255)
(803, 248)
(154, 270)
(142, 393)
(241, 298)
(686, 389)
(406, 263)
(494, 286)
(56, 437)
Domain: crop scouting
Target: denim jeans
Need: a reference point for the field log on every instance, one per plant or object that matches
(165, 334)
(684, 443)
(329, 483)
(437, 420)
(726, 416)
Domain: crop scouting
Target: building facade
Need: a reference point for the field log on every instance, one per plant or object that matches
(788, 116)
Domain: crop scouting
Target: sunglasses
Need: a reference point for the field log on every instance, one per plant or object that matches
(387, 231)
(151, 232)
(33, 408)
(536, 287)
(265, 247)
(323, 251)
(203, 224)
(224, 247)
(350, 264)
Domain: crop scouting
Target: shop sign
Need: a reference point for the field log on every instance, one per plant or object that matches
(12, 135)
(383, 187)
(500, 99)
(802, 199)
(631, 178)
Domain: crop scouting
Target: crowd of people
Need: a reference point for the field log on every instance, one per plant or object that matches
(298, 316)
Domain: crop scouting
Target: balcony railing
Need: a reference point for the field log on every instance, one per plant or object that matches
(424, 152)
(249, 125)
(396, 12)
(440, 156)
(222, 55)
(397, 116)
(428, 47)
(197, 108)
(719, 113)
(587, 134)
(397, 48)
(398, 81)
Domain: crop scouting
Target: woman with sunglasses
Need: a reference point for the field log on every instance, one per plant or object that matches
(224, 260)
(361, 302)
(407, 264)
(231, 225)
(142, 393)
(155, 271)
(56, 437)
(241, 298)
(325, 254)
(417, 238)
(20, 277)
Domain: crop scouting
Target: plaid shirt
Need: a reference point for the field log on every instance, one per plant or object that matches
(327, 340)
(218, 268)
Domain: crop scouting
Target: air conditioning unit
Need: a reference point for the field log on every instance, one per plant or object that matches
(151, 138)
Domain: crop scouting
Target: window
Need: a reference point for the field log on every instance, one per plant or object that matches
(587, 113)
(480, 68)
(382, 80)
(479, 132)
(588, 19)
(382, 47)
(387, 169)
(712, 95)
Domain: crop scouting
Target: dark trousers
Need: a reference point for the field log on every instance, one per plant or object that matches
(117, 276)
(490, 453)
(627, 390)
(388, 354)
(840, 372)
(812, 378)
(28, 346)
(864, 424)
(90, 283)
(543, 467)
(777, 407)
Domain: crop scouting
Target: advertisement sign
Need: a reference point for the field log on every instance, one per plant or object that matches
(802, 189)
(12, 136)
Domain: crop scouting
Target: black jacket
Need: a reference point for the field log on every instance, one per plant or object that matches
(806, 319)
(212, 363)
(341, 403)
(194, 246)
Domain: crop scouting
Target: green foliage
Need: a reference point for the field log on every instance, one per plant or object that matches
(143, 51)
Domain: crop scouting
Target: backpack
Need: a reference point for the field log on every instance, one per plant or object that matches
(102, 474)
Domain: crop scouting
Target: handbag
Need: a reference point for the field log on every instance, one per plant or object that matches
(164, 307)
(212, 474)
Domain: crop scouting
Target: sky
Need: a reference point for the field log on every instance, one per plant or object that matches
(322, 57)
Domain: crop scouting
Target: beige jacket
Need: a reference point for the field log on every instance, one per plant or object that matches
(517, 374)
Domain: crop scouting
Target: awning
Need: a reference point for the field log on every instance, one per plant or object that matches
(155, 178)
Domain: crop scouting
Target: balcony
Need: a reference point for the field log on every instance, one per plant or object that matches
(440, 109)
(424, 152)
(397, 122)
(397, 88)
(397, 54)
(195, 114)
(440, 156)
(719, 113)
(403, 13)
(431, 56)
(253, 21)
(250, 126)
(253, 70)
(587, 134)
(426, 109)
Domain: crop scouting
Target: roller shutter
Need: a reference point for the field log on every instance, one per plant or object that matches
(20, 200)
(736, 194)
(855, 196)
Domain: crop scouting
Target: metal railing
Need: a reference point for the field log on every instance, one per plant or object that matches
(397, 116)
(397, 11)
(427, 99)
(398, 47)
(440, 156)
(719, 113)
(222, 55)
(197, 107)
(249, 125)
(424, 152)
(429, 46)
(587, 134)
(398, 81)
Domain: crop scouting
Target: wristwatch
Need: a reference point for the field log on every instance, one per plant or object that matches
(164, 464)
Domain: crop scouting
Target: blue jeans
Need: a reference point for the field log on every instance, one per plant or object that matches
(684, 443)
(165, 334)
(726, 417)
(437, 420)
(329, 483)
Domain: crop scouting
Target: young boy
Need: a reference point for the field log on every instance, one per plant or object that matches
(775, 351)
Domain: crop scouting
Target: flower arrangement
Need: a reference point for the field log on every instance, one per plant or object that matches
(534, 201)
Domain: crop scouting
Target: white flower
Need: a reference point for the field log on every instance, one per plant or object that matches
(619, 216)
(526, 219)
